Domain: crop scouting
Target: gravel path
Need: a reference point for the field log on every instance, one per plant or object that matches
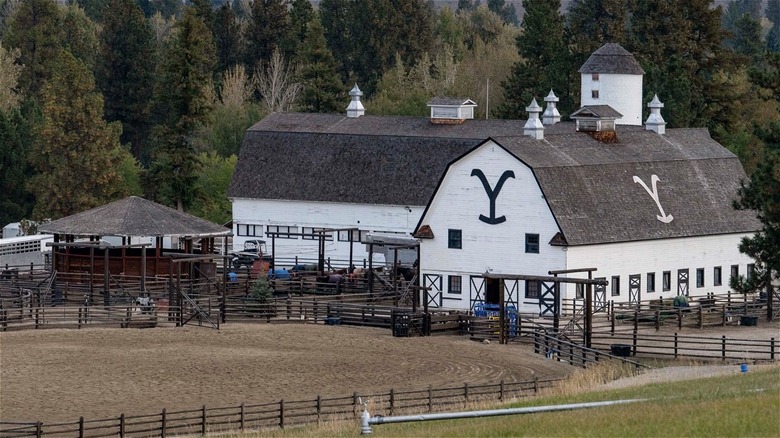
(678, 373)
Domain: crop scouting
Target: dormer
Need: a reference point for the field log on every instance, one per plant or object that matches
(449, 110)
(596, 118)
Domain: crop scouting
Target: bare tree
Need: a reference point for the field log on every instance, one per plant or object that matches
(236, 87)
(274, 81)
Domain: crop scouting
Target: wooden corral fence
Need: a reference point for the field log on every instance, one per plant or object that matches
(278, 414)
(575, 354)
(118, 316)
(676, 346)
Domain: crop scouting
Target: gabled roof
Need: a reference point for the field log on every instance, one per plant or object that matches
(134, 216)
(451, 101)
(596, 112)
(612, 58)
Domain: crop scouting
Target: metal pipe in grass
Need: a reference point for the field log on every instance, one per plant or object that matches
(366, 420)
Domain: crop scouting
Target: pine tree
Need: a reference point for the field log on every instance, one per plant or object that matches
(227, 38)
(17, 202)
(544, 61)
(301, 14)
(772, 12)
(335, 16)
(82, 36)
(269, 24)
(504, 10)
(323, 91)
(126, 70)
(593, 23)
(76, 153)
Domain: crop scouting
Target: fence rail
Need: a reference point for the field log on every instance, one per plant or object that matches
(277, 414)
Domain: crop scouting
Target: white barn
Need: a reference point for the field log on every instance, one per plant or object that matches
(650, 208)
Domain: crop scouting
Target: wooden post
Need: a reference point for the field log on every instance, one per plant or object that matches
(163, 424)
(589, 312)
(81, 427)
(675, 345)
(723, 348)
(38, 429)
(769, 302)
(502, 338)
(392, 401)
(242, 417)
(121, 426)
(466, 392)
(501, 390)
(772, 349)
(430, 398)
(319, 406)
(203, 421)
(536, 384)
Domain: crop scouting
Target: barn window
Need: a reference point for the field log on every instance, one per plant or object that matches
(532, 243)
(651, 281)
(594, 94)
(310, 233)
(594, 77)
(532, 288)
(455, 239)
(615, 285)
(357, 235)
(734, 271)
(751, 269)
(454, 284)
(282, 232)
(667, 280)
(249, 230)
(717, 276)
(700, 277)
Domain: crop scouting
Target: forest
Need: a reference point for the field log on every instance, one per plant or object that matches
(102, 99)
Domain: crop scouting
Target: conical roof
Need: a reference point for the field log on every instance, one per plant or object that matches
(612, 58)
(134, 216)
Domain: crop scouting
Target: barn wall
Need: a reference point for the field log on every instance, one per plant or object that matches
(622, 92)
(657, 256)
(500, 248)
(377, 218)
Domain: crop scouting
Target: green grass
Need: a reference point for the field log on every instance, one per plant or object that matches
(739, 405)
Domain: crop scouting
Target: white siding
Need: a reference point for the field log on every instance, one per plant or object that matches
(622, 92)
(643, 257)
(387, 218)
(498, 249)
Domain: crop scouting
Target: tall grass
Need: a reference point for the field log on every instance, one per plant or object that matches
(736, 405)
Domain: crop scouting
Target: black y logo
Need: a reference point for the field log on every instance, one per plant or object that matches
(492, 195)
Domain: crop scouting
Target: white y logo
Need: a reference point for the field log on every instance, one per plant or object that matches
(654, 194)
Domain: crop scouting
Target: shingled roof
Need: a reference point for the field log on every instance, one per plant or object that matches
(134, 216)
(399, 161)
(612, 58)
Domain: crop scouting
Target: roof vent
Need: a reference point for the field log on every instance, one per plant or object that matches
(355, 108)
(451, 111)
(551, 115)
(533, 126)
(655, 122)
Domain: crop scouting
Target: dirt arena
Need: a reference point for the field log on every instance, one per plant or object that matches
(59, 375)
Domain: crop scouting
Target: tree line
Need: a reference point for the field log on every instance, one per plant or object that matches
(101, 99)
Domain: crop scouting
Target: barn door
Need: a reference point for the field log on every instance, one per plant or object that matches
(599, 296)
(477, 290)
(432, 296)
(634, 289)
(682, 282)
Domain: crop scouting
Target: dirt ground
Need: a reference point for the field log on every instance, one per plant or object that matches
(59, 375)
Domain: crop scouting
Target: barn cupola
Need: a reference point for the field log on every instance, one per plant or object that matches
(551, 115)
(655, 122)
(451, 111)
(598, 121)
(533, 126)
(612, 76)
(355, 108)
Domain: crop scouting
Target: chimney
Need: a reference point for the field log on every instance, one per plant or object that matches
(533, 127)
(655, 122)
(355, 108)
(551, 115)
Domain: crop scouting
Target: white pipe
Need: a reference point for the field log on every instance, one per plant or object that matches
(366, 420)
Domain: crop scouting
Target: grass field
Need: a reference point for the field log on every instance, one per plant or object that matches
(737, 405)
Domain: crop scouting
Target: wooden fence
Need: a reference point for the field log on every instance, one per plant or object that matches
(278, 414)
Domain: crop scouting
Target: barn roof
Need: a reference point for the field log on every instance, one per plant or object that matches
(134, 216)
(400, 160)
(612, 58)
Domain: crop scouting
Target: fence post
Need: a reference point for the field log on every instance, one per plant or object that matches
(466, 391)
(701, 318)
(319, 408)
(354, 404)
(612, 320)
(723, 314)
(657, 320)
(281, 413)
(38, 429)
(163, 423)
(634, 339)
(723, 347)
(675, 345)
(122, 425)
(772, 350)
(501, 390)
(536, 384)
(242, 417)
(679, 319)
(392, 401)
(203, 421)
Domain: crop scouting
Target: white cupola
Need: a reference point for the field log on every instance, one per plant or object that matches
(612, 76)
(451, 110)
(533, 126)
(551, 115)
(655, 122)
(355, 108)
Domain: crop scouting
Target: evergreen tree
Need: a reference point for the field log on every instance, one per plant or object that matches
(301, 15)
(335, 16)
(269, 24)
(323, 91)
(227, 38)
(593, 23)
(544, 62)
(9, 79)
(746, 38)
(17, 202)
(76, 153)
(773, 14)
(183, 99)
(82, 37)
(126, 70)
(504, 10)
(36, 30)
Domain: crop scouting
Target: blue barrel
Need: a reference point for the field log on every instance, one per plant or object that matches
(743, 368)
